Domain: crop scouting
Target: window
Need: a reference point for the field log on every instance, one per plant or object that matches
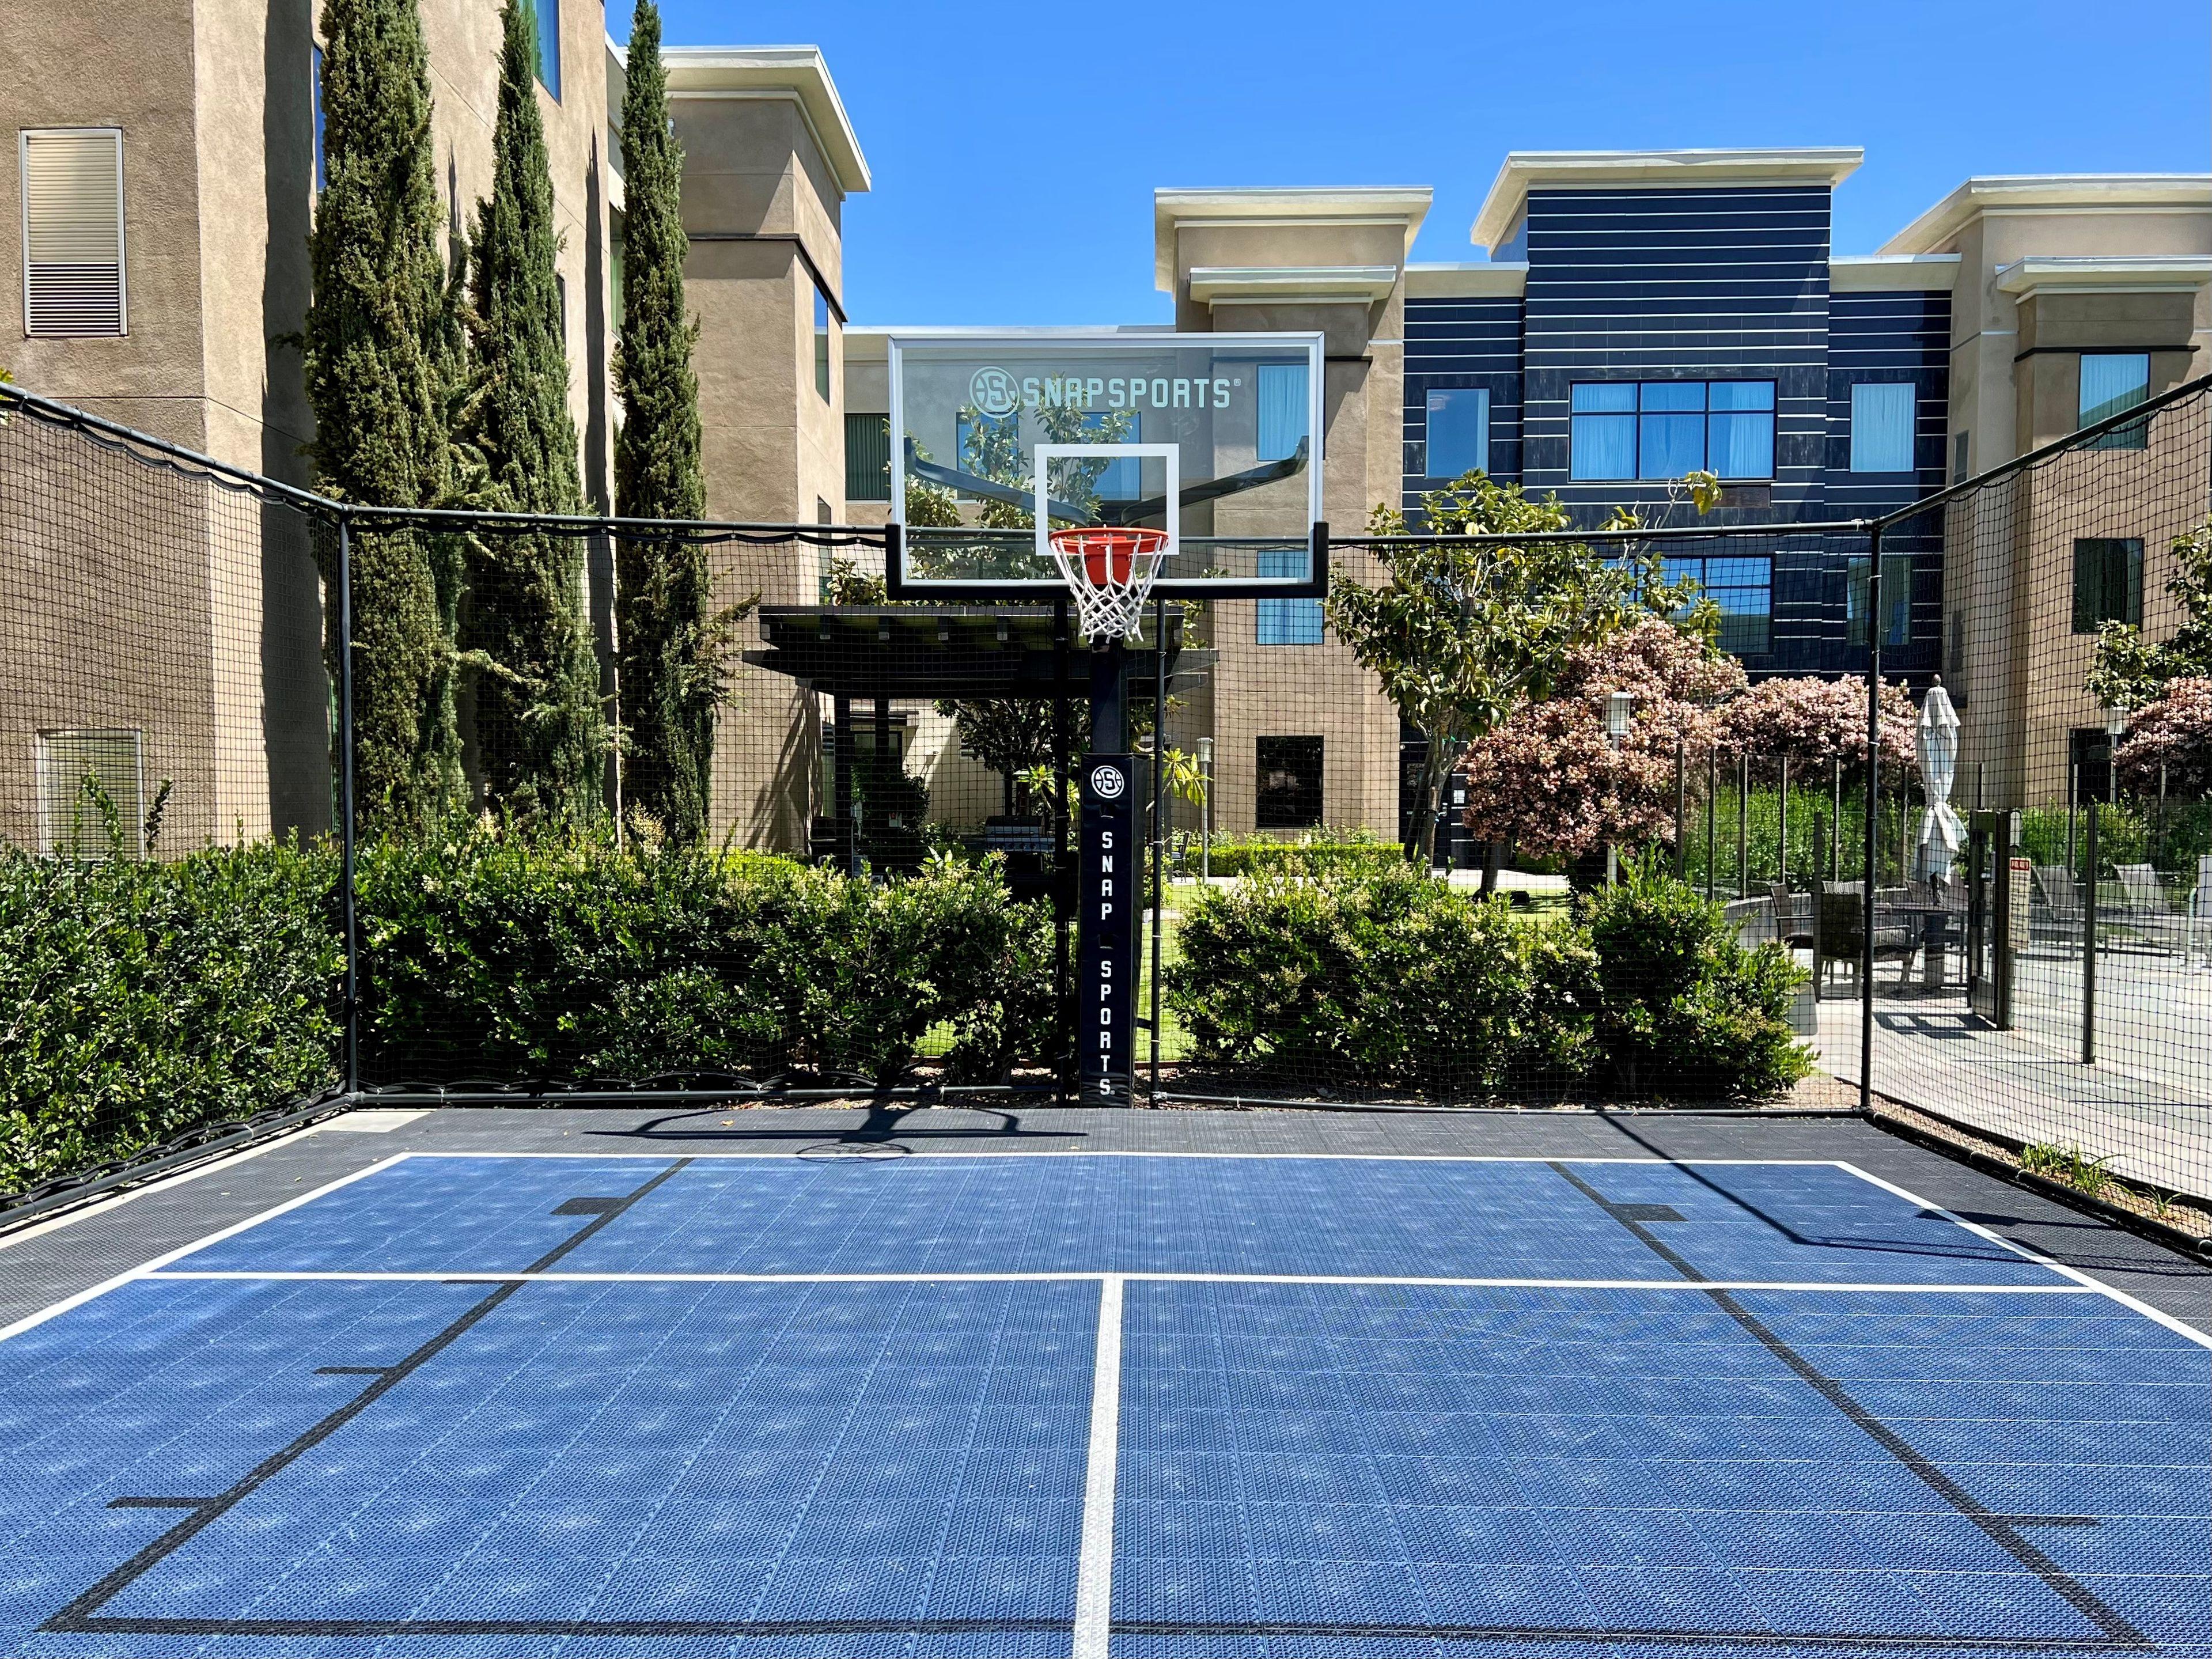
(1664, 428)
(1961, 450)
(81, 775)
(1289, 784)
(2108, 582)
(2113, 381)
(1743, 588)
(822, 344)
(1287, 622)
(1896, 600)
(867, 457)
(821, 513)
(2089, 755)
(1284, 410)
(315, 103)
(1458, 432)
(549, 46)
(73, 267)
(1882, 427)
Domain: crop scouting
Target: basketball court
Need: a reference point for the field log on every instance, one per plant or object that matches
(1202, 1385)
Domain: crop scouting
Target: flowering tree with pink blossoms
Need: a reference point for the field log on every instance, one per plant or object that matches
(1815, 722)
(2175, 732)
(1546, 777)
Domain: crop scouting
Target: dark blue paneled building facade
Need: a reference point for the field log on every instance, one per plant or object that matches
(1645, 316)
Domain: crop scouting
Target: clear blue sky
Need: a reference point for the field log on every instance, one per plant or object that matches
(1015, 148)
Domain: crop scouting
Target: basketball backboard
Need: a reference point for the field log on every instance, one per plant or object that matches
(1212, 438)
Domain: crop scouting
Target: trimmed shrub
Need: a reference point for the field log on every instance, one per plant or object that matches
(1353, 978)
(1311, 854)
(1684, 1008)
(492, 956)
(142, 1000)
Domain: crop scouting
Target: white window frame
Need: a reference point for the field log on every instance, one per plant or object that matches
(23, 136)
(51, 793)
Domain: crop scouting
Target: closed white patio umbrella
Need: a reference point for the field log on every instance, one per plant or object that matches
(1941, 833)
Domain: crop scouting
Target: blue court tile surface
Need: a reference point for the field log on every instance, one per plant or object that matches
(765, 1406)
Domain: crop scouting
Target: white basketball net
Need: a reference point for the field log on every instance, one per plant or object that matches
(1110, 568)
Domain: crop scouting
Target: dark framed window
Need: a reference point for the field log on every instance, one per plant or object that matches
(1896, 600)
(1287, 622)
(1660, 429)
(1283, 411)
(822, 344)
(549, 46)
(1883, 415)
(867, 457)
(2113, 381)
(2107, 581)
(1458, 428)
(1289, 783)
(315, 101)
(1743, 588)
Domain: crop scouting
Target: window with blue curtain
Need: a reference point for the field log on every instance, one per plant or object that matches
(1458, 431)
(1896, 600)
(1287, 622)
(822, 344)
(1123, 480)
(1284, 407)
(1601, 436)
(2113, 381)
(1660, 429)
(1882, 427)
(315, 99)
(549, 45)
(1743, 591)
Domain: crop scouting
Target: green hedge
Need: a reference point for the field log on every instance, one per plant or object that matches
(1311, 855)
(490, 958)
(1382, 977)
(145, 1000)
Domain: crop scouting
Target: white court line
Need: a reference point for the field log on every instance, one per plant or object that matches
(939, 1154)
(149, 1268)
(1094, 1574)
(1697, 1286)
(2180, 1328)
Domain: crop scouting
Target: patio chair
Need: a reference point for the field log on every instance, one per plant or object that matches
(1839, 933)
(1786, 928)
(2061, 911)
(2154, 920)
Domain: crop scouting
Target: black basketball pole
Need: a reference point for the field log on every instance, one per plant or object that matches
(1109, 890)
(1159, 828)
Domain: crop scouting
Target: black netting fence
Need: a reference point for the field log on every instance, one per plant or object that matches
(695, 812)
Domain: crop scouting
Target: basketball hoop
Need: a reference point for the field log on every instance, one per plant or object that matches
(1110, 568)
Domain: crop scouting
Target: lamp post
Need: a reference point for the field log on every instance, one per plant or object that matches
(1206, 809)
(2116, 728)
(1619, 707)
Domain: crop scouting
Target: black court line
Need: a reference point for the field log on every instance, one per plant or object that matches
(80, 1614)
(1626, 1635)
(2002, 1530)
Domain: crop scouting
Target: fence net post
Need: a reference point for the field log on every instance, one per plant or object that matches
(348, 834)
(1873, 848)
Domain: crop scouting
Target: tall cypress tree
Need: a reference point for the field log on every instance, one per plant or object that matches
(670, 684)
(378, 347)
(539, 727)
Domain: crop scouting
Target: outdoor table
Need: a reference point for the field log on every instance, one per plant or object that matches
(1936, 937)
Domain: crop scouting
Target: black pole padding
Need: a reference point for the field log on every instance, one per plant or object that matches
(348, 833)
(1873, 819)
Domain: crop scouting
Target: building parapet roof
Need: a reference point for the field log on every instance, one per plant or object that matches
(2151, 273)
(1353, 204)
(1892, 273)
(2052, 192)
(1363, 284)
(1474, 281)
(798, 73)
(1526, 170)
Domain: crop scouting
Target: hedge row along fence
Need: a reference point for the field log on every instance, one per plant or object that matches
(146, 999)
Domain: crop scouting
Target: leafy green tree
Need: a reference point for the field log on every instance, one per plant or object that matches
(1460, 632)
(2131, 673)
(382, 349)
(539, 725)
(672, 681)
